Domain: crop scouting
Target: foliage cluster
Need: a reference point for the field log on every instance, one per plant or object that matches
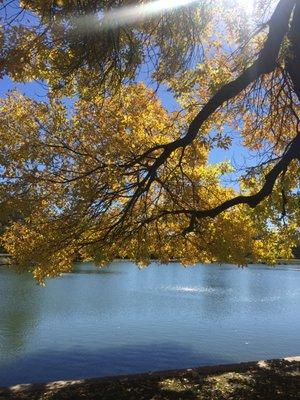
(100, 168)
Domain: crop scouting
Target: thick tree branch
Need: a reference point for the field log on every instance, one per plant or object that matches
(293, 60)
(266, 63)
(292, 153)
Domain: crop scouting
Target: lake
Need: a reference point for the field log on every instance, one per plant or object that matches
(123, 320)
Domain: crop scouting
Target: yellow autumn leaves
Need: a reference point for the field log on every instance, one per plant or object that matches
(78, 176)
(72, 178)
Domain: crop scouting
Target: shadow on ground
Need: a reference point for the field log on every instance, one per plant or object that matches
(272, 380)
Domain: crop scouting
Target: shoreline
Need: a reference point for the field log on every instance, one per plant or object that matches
(283, 372)
(4, 260)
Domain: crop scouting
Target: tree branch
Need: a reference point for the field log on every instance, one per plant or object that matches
(292, 153)
(293, 60)
(266, 63)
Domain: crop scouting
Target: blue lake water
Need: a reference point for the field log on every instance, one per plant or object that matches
(124, 320)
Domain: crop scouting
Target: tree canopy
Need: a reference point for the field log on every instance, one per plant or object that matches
(101, 167)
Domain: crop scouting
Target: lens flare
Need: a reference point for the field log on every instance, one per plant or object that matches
(128, 14)
(247, 5)
(131, 14)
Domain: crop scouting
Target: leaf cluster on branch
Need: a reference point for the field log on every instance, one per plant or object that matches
(101, 169)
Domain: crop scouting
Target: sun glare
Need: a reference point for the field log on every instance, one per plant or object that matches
(129, 14)
(132, 14)
(247, 5)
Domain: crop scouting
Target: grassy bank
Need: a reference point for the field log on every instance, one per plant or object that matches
(268, 380)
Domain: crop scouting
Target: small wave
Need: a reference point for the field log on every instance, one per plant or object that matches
(270, 299)
(190, 289)
(293, 269)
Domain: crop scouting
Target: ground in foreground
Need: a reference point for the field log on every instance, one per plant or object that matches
(276, 379)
